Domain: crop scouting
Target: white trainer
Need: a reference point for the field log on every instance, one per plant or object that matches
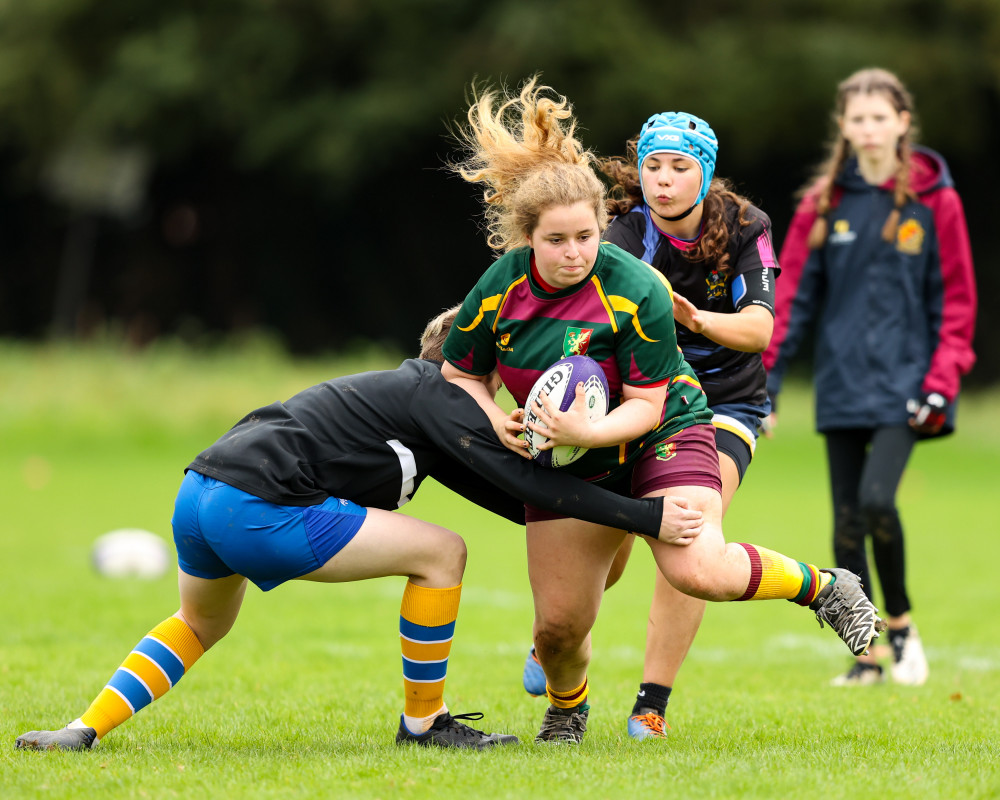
(861, 674)
(909, 665)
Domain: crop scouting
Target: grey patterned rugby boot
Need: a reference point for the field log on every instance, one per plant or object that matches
(846, 608)
(62, 739)
(564, 725)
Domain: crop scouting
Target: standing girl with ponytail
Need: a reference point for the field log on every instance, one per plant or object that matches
(877, 257)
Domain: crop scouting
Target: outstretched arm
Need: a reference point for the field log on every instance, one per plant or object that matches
(455, 422)
(483, 389)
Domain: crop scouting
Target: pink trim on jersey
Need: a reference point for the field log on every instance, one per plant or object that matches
(681, 244)
(765, 251)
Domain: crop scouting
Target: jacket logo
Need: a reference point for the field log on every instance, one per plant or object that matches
(577, 341)
(716, 285)
(665, 450)
(503, 343)
(910, 237)
(842, 233)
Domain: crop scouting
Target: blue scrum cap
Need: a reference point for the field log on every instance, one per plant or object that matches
(684, 134)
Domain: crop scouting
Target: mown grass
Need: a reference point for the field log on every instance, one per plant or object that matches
(302, 699)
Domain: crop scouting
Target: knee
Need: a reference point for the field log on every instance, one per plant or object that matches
(209, 629)
(880, 515)
(696, 584)
(849, 527)
(876, 504)
(621, 559)
(454, 556)
(846, 517)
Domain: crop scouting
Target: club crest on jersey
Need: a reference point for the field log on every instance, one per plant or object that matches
(910, 237)
(577, 341)
(503, 343)
(842, 233)
(716, 284)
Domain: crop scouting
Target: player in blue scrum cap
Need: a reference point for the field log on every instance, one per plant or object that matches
(714, 247)
(685, 135)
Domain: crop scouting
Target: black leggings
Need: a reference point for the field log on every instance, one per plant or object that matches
(866, 467)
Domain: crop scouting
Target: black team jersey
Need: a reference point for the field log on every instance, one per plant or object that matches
(372, 438)
(726, 375)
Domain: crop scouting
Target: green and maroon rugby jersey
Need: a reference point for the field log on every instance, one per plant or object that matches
(621, 315)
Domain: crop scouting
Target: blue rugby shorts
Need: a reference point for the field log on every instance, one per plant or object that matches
(220, 531)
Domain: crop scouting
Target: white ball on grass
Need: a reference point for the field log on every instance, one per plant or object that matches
(131, 553)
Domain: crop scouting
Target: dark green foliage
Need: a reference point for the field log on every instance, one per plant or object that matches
(336, 112)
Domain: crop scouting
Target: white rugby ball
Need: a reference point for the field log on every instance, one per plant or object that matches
(130, 553)
(559, 384)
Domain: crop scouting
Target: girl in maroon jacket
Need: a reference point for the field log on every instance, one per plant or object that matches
(877, 258)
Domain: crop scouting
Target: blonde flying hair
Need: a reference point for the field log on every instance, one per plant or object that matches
(865, 81)
(713, 245)
(523, 149)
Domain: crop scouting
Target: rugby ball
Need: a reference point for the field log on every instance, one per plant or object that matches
(130, 553)
(559, 384)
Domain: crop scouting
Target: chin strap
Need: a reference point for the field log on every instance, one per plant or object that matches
(681, 216)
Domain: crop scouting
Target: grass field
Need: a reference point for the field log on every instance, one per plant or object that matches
(302, 699)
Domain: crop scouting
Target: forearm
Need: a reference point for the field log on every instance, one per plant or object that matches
(477, 389)
(485, 472)
(634, 418)
(563, 494)
(748, 331)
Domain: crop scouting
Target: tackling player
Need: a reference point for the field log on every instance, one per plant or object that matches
(304, 489)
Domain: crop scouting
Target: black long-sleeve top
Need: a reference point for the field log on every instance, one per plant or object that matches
(373, 437)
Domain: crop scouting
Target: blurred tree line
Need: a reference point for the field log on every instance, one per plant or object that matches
(193, 169)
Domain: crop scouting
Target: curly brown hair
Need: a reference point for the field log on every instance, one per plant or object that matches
(713, 245)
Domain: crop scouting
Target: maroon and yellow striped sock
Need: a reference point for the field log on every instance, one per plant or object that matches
(776, 576)
(571, 699)
(160, 659)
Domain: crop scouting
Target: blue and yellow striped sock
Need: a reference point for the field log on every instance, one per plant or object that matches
(158, 661)
(426, 627)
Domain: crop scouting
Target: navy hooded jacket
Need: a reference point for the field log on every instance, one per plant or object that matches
(893, 320)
